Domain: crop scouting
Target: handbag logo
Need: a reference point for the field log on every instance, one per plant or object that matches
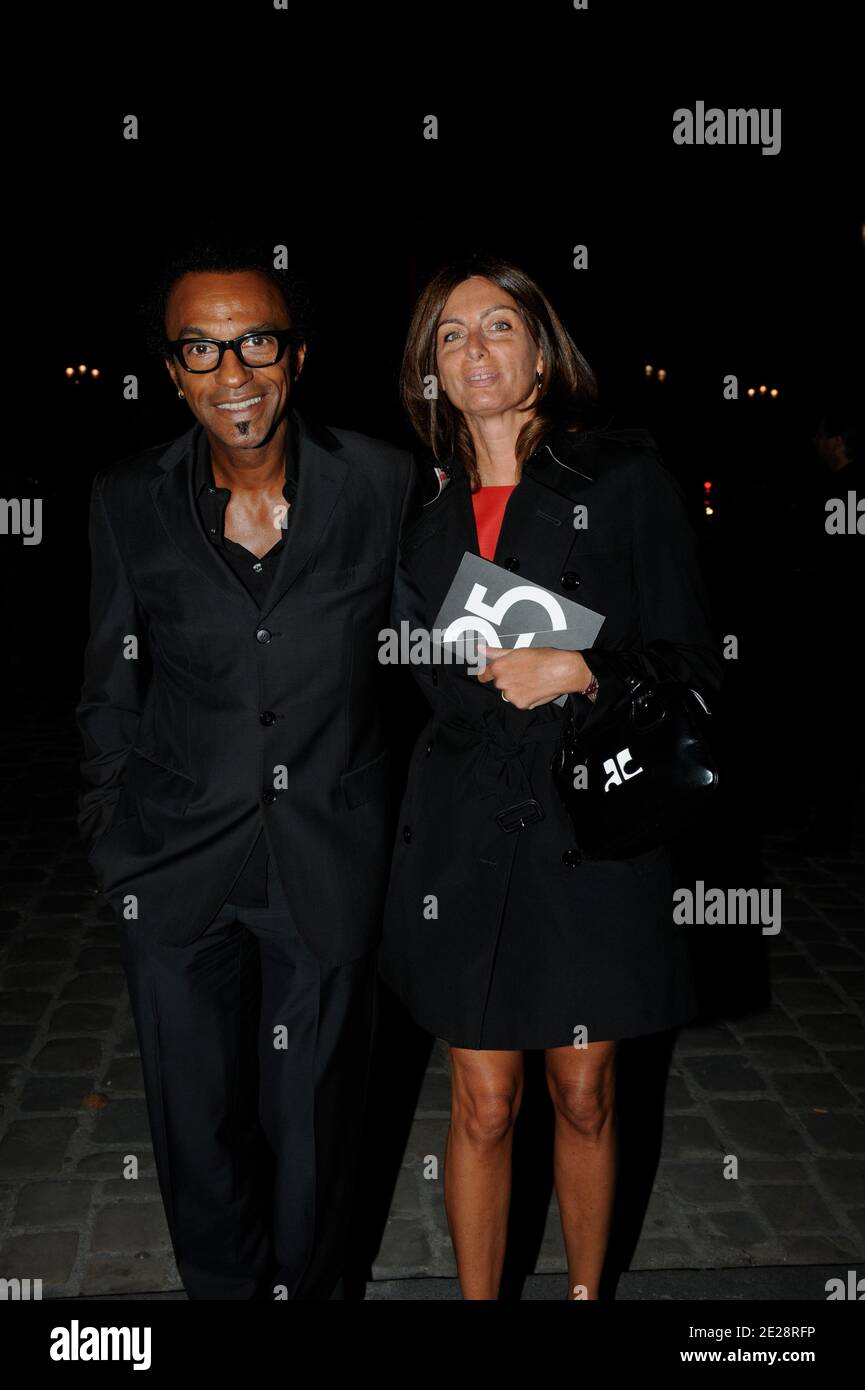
(616, 768)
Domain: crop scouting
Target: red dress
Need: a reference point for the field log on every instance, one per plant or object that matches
(489, 504)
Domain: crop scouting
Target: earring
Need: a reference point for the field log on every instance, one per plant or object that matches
(180, 394)
(539, 378)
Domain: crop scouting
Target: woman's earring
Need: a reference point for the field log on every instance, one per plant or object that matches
(180, 394)
(539, 378)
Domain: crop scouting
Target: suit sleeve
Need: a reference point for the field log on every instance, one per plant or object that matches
(675, 631)
(116, 676)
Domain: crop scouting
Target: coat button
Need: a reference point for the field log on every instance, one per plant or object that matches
(570, 579)
(434, 676)
(269, 797)
(268, 717)
(263, 635)
(572, 858)
(428, 749)
(406, 833)
(511, 563)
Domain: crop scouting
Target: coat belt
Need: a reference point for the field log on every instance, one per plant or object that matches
(494, 752)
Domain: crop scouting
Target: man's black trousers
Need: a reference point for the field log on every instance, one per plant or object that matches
(255, 1062)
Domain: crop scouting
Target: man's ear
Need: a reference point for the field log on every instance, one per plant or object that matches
(172, 371)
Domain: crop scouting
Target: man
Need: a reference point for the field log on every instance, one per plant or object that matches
(238, 803)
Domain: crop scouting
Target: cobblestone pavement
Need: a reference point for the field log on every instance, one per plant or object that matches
(782, 1087)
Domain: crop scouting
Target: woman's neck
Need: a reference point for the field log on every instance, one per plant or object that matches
(495, 442)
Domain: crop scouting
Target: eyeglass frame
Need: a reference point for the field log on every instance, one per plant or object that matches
(283, 337)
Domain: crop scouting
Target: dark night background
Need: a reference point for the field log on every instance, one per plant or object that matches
(704, 261)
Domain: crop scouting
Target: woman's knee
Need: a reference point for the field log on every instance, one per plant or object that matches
(586, 1106)
(485, 1118)
(485, 1100)
(583, 1091)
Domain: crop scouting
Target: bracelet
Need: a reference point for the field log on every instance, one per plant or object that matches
(591, 689)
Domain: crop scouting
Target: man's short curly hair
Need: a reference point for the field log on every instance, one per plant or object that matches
(225, 258)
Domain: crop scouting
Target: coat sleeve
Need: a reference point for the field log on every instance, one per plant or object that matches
(676, 637)
(116, 676)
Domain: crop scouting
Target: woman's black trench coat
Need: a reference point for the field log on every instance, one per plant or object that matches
(508, 939)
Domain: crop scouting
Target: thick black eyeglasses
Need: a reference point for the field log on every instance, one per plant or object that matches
(254, 349)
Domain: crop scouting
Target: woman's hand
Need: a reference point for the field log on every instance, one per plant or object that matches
(531, 676)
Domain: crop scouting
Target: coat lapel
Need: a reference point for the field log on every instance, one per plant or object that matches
(538, 518)
(450, 521)
(173, 497)
(321, 478)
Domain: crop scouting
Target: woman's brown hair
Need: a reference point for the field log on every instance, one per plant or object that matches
(564, 400)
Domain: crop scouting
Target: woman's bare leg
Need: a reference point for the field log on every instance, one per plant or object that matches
(582, 1084)
(486, 1091)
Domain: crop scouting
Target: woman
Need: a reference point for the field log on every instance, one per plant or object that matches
(499, 937)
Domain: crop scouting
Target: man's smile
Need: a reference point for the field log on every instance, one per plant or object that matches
(246, 404)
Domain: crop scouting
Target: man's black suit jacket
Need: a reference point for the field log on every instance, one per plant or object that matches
(203, 716)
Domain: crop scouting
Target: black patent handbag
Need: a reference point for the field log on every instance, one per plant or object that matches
(643, 775)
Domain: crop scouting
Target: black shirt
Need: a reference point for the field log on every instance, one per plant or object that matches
(256, 574)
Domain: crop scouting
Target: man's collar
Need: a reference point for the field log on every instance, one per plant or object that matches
(203, 467)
